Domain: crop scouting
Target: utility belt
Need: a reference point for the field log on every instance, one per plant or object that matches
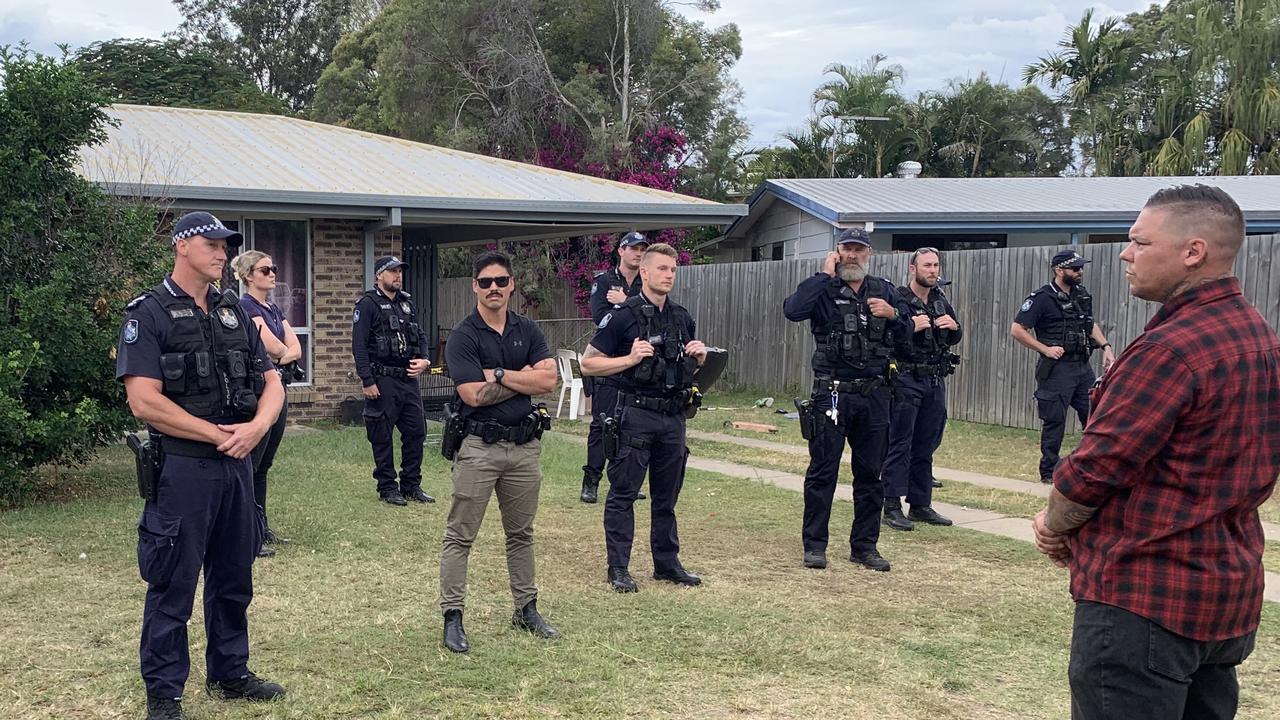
(861, 386)
(685, 402)
(490, 431)
(939, 369)
(1075, 357)
(187, 448)
(385, 371)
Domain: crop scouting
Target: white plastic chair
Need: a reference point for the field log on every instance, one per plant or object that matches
(565, 360)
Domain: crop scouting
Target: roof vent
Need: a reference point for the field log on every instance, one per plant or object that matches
(909, 169)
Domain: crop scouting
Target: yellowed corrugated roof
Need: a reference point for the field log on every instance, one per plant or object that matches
(175, 148)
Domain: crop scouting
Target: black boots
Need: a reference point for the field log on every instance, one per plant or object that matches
(250, 687)
(528, 619)
(621, 581)
(455, 638)
(590, 488)
(893, 516)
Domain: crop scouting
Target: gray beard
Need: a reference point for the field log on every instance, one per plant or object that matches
(850, 272)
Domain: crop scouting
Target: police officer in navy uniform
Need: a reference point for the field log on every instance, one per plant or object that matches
(195, 371)
(649, 346)
(391, 352)
(920, 395)
(610, 289)
(1061, 314)
(855, 319)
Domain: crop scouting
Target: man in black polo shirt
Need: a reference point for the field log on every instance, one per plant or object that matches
(610, 289)
(649, 346)
(497, 359)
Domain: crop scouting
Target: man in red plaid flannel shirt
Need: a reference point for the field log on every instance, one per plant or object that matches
(1156, 513)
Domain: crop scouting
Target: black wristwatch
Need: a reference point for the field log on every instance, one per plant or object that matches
(497, 375)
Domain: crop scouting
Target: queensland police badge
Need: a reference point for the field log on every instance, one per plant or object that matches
(228, 318)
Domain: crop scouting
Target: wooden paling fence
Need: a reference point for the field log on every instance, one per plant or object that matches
(738, 306)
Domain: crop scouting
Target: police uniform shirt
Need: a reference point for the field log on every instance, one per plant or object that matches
(600, 287)
(618, 330)
(1042, 312)
(366, 313)
(270, 314)
(811, 302)
(474, 347)
(146, 327)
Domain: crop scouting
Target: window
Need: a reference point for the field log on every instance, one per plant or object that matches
(288, 244)
(908, 242)
(777, 251)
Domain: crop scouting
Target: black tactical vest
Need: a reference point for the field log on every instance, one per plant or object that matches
(668, 370)
(207, 361)
(927, 346)
(1076, 309)
(395, 336)
(856, 338)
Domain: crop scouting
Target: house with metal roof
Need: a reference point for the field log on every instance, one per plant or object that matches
(324, 201)
(801, 218)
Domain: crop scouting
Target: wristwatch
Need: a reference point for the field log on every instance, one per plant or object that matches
(497, 375)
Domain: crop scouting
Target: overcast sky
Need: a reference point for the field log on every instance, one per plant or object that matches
(786, 43)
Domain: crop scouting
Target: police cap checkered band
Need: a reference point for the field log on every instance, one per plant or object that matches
(205, 224)
(1068, 259)
(387, 262)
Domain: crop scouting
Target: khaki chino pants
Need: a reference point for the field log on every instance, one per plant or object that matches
(512, 473)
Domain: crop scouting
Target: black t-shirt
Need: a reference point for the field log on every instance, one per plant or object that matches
(474, 347)
(618, 330)
(1043, 311)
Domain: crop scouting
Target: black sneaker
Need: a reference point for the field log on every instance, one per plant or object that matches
(164, 709)
(815, 559)
(870, 559)
(250, 687)
(393, 498)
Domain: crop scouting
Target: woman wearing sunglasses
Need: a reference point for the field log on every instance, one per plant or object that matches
(256, 271)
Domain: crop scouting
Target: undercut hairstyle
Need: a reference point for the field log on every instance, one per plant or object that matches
(661, 249)
(243, 263)
(1202, 211)
(492, 258)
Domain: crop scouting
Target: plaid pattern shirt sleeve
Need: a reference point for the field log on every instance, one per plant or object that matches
(1182, 448)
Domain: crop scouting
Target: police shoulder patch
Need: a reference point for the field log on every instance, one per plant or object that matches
(131, 331)
(1026, 305)
(355, 316)
(228, 318)
(595, 287)
(605, 321)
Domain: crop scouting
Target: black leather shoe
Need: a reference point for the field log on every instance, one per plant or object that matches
(455, 638)
(679, 576)
(815, 559)
(393, 498)
(893, 516)
(271, 538)
(870, 559)
(250, 687)
(590, 490)
(621, 580)
(928, 515)
(265, 551)
(935, 482)
(1047, 480)
(417, 495)
(164, 709)
(528, 619)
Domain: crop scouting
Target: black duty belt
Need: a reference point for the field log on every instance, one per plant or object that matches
(667, 406)
(862, 386)
(395, 372)
(1075, 357)
(926, 369)
(187, 448)
(491, 431)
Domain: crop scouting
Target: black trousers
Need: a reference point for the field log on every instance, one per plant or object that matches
(1066, 386)
(915, 432)
(263, 457)
(1126, 667)
(399, 405)
(664, 458)
(604, 398)
(864, 424)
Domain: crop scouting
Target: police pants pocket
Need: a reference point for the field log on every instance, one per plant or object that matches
(158, 547)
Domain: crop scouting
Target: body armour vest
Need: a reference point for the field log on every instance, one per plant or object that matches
(927, 346)
(668, 370)
(855, 338)
(395, 335)
(208, 363)
(1076, 309)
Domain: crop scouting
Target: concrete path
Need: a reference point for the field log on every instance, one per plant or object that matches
(981, 520)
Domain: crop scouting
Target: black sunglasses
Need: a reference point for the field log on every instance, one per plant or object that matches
(487, 282)
(269, 270)
(921, 251)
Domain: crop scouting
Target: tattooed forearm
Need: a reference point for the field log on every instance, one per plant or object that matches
(492, 393)
(1064, 515)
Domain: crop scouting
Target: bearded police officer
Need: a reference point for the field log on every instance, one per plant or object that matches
(1061, 314)
(391, 352)
(855, 319)
(649, 346)
(920, 395)
(195, 371)
(610, 289)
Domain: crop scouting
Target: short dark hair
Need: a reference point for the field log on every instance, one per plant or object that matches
(493, 257)
(662, 249)
(1203, 210)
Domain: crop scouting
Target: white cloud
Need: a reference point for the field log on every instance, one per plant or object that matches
(77, 23)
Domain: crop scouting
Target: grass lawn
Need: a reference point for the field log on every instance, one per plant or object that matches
(966, 625)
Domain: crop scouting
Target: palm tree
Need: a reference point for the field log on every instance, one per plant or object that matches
(870, 90)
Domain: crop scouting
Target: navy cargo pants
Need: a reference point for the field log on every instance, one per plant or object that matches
(653, 441)
(203, 517)
(915, 432)
(1067, 385)
(864, 423)
(399, 405)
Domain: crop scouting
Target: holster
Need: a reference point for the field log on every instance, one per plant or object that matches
(454, 431)
(147, 461)
(804, 408)
(609, 435)
(1044, 366)
(695, 402)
